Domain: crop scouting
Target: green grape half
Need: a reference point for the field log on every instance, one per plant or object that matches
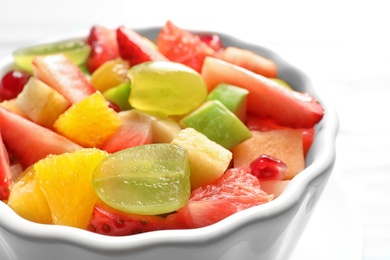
(76, 50)
(148, 179)
(166, 88)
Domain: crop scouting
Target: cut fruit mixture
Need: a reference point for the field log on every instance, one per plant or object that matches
(119, 134)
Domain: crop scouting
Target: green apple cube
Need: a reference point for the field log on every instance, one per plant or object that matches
(218, 123)
(233, 97)
(119, 95)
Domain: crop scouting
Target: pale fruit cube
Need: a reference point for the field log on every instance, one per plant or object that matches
(285, 145)
(41, 103)
(164, 128)
(11, 106)
(208, 160)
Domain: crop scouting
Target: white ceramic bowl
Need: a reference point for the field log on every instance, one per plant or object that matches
(265, 232)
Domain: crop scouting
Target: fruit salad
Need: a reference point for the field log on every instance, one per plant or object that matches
(119, 134)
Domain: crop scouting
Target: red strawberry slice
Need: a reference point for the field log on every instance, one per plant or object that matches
(181, 46)
(5, 171)
(135, 48)
(63, 75)
(108, 221)
(104, 47)
(31, 142)
(266, 99)
(236, 190)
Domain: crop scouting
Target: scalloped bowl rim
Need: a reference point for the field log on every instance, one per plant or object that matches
(291, 195)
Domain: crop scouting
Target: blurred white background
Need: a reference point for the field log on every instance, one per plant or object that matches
(343, 45)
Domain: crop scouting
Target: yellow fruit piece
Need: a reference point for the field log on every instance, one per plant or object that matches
(27, 199)
(41, 103)
(208, 160)
(110, 74)
(89, 122)
(66, 181)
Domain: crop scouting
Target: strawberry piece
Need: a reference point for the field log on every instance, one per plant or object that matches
(266, 99)
(63, 75)
(109, 221)
(236, 190)
(5, 171)
(135, 48)
(31, 142)
(267, 168)
(104, 47)
(181, 46)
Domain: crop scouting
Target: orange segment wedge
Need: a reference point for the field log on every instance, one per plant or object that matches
(27, 199)
(66, 182)
(89, 122)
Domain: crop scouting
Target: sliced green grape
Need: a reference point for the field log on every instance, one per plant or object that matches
(166, 88)
(149, 179)
(76, 50)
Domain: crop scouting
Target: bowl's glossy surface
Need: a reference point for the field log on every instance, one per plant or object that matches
(268, 231)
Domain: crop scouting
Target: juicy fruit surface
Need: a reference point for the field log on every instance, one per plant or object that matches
(236, 190)
(166, 88)
(176, 134)
(181, 46)
(66, 182)
(28, 200)
(90, 122)
(149, 179)
(266, 99)
(104, 46)
(64, 76)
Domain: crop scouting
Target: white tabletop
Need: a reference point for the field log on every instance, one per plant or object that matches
(344, 46)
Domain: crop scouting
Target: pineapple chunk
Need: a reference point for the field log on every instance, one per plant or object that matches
(208, 160)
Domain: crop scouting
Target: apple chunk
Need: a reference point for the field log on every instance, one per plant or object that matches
(218, 123)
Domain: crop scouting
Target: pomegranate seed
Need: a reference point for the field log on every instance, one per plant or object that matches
(12, 84)
(268, 168)
(212, 40)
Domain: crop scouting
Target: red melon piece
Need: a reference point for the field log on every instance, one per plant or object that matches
(31, 142)
(63, 75)
(5, 171)
(136, 130)
(266, 99)
(251, 61)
